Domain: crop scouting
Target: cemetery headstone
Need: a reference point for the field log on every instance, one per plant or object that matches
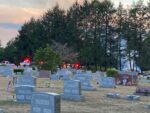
(24, 93)
(44, 74)
(72, 90)
(85, 81)
(149, 106)
(63, 74)
(54, 77)
(113, 95)
(8, 70)
(45, 103)
(107, 82)
(26, 80)
(133, 97)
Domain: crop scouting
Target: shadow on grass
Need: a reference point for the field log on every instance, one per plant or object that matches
(9, 102)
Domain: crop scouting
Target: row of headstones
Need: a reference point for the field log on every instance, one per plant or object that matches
(48, 102)
(85, 78)
(8, 70)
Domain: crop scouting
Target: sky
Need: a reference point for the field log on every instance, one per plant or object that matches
(13, 13)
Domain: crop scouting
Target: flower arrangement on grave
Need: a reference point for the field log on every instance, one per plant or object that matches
(111, 72)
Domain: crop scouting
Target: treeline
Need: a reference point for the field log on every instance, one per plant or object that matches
(91, 33)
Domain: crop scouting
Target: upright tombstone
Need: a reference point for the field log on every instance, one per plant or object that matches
(45, 103)
(26, 80)
(54, 77)
(72, 90)
(85, 81)
(107, 82)
(8, 70)
(63, 74)
(24, 93)
(44, 74)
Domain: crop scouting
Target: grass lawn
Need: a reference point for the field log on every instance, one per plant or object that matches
(95, 101)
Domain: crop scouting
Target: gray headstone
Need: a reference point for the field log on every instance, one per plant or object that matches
(107, 82)
(8, 70)
(2, 111)
(133, 97)
(63, 74)
(44, 74)
(85, 81)
(72, 90)
(113, 95)
(54, 77)
(45, 103)
(24, 93)
(149, 106)
(26, 80)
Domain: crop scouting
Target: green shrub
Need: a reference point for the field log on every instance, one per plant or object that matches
(18, 70)
(111, 72)
(47, 59)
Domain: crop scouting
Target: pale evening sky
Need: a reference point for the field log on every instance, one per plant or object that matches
(13, 13)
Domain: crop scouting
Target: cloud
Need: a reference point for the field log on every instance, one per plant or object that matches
(25, 3)
(7, 35)
(17, 15)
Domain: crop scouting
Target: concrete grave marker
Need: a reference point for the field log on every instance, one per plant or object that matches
(85, 81)
(72, 90)
(107, 82)
(24, 93)
(45, 103)
(26, 80)
(113, 95)
(8, 70)
(133, 97)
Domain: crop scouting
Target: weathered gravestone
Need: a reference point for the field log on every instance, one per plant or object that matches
(133, 97)
(8, 70)
(24, 93)
(85, 80)
(26, 80)
(63, 74)
(149, 106)
(54, 77)
(1, 69)
(27, 71)
(72, 90)
(45, 103)
(44, 74)
(113, 95)
(107, 82)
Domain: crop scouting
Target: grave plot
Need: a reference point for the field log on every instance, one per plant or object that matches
(85, 80)
(72, 90)
(107, 82)
(45, 103)
(24, 93)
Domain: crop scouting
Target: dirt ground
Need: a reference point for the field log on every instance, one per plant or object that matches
(95, 101)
